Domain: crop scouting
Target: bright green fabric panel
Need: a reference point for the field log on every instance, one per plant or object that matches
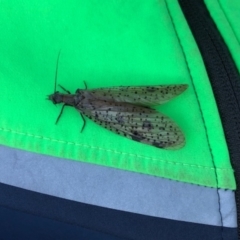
(107, 43)
(226, 15)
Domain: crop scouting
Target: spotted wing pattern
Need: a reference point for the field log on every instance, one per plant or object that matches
(138, 123)
(145, 95)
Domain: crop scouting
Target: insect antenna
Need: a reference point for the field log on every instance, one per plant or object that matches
(56, 72)
(64, 89)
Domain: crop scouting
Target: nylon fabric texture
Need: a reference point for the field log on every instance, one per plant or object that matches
(108, 44)
(226, 17)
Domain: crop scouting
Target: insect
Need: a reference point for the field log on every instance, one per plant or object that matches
(128, 111)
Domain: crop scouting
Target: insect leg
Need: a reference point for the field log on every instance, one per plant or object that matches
(64, 89)
(84, 122)
(85, 84)
(60, 113)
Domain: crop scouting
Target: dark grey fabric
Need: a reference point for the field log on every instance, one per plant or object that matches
(18, 225)
(223, 76)
(29, 213)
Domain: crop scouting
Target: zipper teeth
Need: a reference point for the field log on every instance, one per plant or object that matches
(224, 78)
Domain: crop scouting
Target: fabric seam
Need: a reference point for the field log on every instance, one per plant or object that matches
(116, 152)
(227, 19)
(204, 123)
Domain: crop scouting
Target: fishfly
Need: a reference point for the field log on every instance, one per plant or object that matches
(128, 111)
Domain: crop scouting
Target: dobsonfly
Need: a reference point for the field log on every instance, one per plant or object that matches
(127, 111)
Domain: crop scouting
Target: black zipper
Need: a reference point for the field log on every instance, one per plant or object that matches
(224, 78)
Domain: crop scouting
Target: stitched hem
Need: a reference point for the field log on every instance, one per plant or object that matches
(114, 151)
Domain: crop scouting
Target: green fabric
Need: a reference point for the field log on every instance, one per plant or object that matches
(226, 15)
(107, 43)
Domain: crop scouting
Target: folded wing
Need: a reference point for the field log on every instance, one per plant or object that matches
(144, 95)
(138, 123)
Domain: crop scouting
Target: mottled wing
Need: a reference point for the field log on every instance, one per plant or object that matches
(145, 95)
(138, 123)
